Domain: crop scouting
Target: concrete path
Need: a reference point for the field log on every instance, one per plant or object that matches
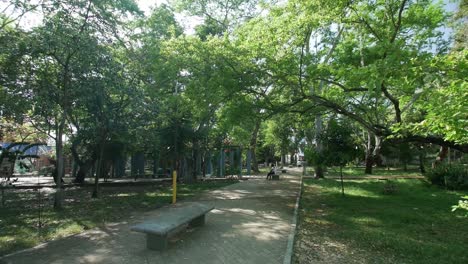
(251, 223)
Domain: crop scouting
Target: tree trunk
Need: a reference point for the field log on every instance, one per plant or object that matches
(60, 163)
(319, 171)
(449, 158)
(253, 146)
(318, 118)
(248, 162)
(83, 171)
(203, 164)
(341, 177)
(193, 161)
(369, 164)
(376, 159)
(83, 166)
(221, 163)
(198, 162)
(74, 169)
(156, 158)
(422, 157)
(441, 157)
(99, 172)
(369, 156)
(93, 168)
(209, 164)
(133, 167)
(318, 144)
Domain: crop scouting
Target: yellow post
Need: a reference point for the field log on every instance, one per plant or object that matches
(174, 187)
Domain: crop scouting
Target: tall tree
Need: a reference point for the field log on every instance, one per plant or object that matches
(219, 16)
(375, 75)
(64, 53)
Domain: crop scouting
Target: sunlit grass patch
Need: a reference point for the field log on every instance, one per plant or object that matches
(414, 225)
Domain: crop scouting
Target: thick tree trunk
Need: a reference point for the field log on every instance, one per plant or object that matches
(60, 163)
(283, 159)
(253, 146)
(376, 152)
(377, 159)
(248, 162)
(372, 158)
(83, 171)
(137, 165)
(83, 166)
(369, 164)
(319, 172)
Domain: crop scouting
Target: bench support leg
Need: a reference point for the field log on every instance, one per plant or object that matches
(199, 221)
(156, 242)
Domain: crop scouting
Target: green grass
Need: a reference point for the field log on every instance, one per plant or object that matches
(19, 219)
(413, 225)
(359, 172)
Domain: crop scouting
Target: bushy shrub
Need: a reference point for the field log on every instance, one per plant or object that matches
(454, 177)
(436, 175)
(462, 206)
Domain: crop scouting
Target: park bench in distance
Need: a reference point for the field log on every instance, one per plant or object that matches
(171, 220)
(276, 176)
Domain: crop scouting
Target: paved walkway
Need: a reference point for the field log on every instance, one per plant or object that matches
(251, 223)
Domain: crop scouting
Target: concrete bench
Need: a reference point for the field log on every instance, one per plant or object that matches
(170, 220)
(275, 177)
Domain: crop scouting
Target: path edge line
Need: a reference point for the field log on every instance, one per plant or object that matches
(289, 250)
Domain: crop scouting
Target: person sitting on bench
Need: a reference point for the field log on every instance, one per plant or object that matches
(271, 173)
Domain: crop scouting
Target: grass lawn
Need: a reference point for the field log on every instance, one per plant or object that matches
(19, 219)
(413, 225)
(359, 172)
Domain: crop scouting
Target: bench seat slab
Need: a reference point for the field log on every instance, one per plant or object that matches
(172, 217)
(170, 220)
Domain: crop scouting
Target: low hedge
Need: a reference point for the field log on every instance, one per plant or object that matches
(453, 177)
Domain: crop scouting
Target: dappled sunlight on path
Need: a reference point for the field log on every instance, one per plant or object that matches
(251, 223)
